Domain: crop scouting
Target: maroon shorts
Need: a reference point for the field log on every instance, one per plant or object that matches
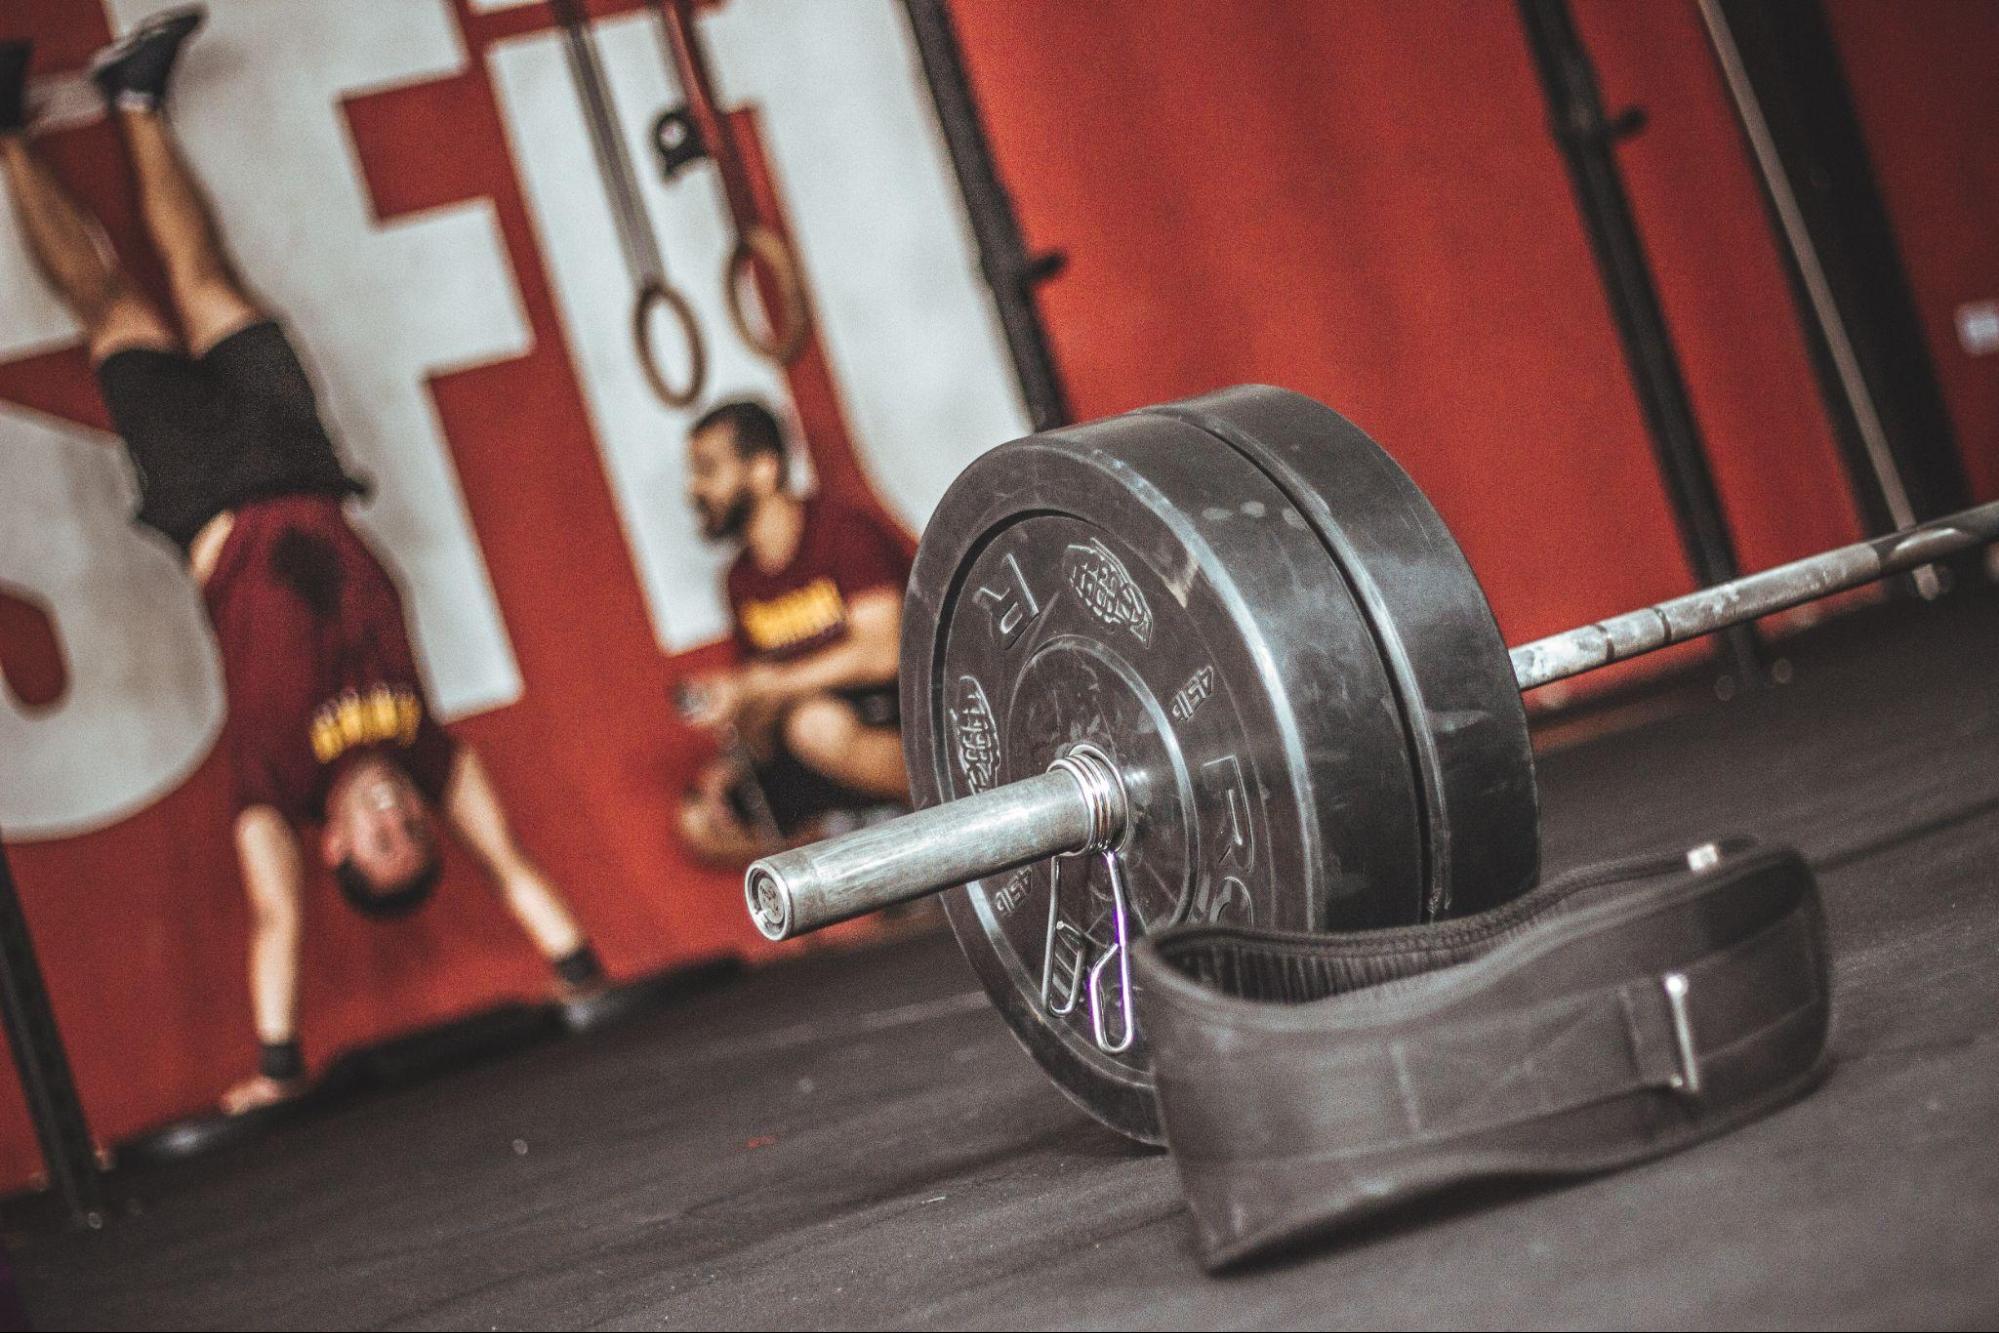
(797, 793)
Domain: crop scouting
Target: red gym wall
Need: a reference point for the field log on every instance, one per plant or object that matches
(1359, 201)
(1921, 78)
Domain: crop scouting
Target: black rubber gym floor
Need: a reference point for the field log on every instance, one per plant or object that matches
(855, 1140)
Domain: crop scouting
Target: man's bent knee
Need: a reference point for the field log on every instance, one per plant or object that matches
(711, 833)
(695, 825)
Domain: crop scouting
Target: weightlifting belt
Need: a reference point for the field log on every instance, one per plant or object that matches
(1620, 1012)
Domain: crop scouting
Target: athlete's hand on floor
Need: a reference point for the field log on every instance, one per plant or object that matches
(257, 1092)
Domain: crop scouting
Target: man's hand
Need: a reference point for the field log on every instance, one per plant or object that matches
(747, 700)
(711, 701)
(259, 1091)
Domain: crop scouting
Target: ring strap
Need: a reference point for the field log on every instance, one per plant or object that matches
(1617, 1013)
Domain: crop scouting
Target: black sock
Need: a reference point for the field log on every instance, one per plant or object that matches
(281, 1060)
(580, 967)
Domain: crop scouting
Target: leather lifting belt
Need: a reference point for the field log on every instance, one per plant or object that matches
(1617, 1013)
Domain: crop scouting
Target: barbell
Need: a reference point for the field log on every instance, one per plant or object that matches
(1216, 661)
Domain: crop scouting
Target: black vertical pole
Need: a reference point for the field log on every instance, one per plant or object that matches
(1010, 271)
(1586, 138)
(44, 1067)
(1861, 323)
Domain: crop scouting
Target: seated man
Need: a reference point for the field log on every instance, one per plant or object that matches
(808, 720)
(328, 724)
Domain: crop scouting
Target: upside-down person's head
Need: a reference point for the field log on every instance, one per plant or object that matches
(735, 462)
(381, 840)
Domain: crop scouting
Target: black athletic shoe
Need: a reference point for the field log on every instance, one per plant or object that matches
(14, 86)
(133, 71)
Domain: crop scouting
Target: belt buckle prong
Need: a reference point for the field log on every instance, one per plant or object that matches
(1688, 1080)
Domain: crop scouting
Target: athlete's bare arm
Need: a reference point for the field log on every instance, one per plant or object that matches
(869, 654)
(267, 849)
(473, 810)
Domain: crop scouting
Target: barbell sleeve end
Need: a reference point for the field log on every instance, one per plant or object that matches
(1078, 805)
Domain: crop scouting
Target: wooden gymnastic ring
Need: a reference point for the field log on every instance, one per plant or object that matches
(653, 292)
(758, 242)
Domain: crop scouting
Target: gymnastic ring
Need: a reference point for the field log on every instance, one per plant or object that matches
(788, 338)
(653, 292)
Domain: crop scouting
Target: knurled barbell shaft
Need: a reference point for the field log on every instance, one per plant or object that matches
(1077, 805)
(1634, 633)
(1080, 803)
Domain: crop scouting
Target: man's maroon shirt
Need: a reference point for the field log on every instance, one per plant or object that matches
(842, 552)
(316, 658)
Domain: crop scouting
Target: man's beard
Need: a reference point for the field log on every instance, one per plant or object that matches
(730, 524)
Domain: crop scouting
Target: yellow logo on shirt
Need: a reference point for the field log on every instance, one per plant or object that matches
(796, 617)
(384, 713)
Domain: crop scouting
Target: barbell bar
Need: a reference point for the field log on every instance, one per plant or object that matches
(1706, 610)
(1078, 805)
